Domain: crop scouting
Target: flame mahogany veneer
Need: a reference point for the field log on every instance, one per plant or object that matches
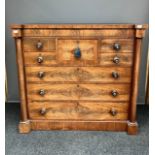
(78, 76)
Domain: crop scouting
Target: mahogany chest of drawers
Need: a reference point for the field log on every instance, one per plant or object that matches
(78, 76)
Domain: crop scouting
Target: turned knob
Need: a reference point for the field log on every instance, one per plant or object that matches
(116, 60)
(43, 111)
(40, 59)
(116, 46)
(115, 75)
(42, 92)
(41, 74)
(113, 112)
(114, 93)
(39, 45)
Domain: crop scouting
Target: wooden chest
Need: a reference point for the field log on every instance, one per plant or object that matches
(78, 76)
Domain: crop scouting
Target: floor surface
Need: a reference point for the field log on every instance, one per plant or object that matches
(75, 142)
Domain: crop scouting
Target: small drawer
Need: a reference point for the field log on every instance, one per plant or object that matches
(117, 45)
(78, 74)
(92, 92)
(75, 110)
(116, 59)
(77, 52)
(39, 44)
(40, 58)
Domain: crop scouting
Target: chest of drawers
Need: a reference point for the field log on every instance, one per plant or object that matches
(78, 76)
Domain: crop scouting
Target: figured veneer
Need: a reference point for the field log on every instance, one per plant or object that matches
(78, 110)
(90, 92)
(78, 76)
(39, 44)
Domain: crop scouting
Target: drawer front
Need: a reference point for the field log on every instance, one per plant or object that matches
(78, 74)
(126, 33)
(68, 54)
(103, 92)
(116, 59)
(40, 58)
(39, 44)
(117, 45)
(78, 110)
(105, 59)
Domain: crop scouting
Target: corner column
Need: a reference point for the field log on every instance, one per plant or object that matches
(132, 124)
(24, 125)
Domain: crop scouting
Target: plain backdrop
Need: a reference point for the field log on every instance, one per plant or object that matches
(72, 11)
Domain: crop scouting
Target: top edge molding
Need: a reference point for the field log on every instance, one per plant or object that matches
(76, 26)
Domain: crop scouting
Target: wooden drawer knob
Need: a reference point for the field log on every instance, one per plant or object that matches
(113, 112)
(41, 74)
(40, 59)
(116, 60)
(116, 46)
(43, 111)
(42, 92)
(114, 93)
(39, 45)
(115, 75)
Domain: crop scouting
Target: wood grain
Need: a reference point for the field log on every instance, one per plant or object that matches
(49, 58)
(135, 79)
(78, 110)
(105, 59)
(66, 50)
(127, 45)
(126, 59)
(79, 92)
(78, 74)
(132, 128)
(29, 44)
(75, 26)
(24, 127)
(22, 83)
(79, 125)
(124, 33)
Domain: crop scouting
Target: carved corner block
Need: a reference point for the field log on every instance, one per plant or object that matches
(24, 127)
(132, 128)
(16, 33)
(140, 31)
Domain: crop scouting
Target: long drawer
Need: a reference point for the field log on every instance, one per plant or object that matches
(78, 110)
(105, 59)
(92, 92)
(78, 74)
